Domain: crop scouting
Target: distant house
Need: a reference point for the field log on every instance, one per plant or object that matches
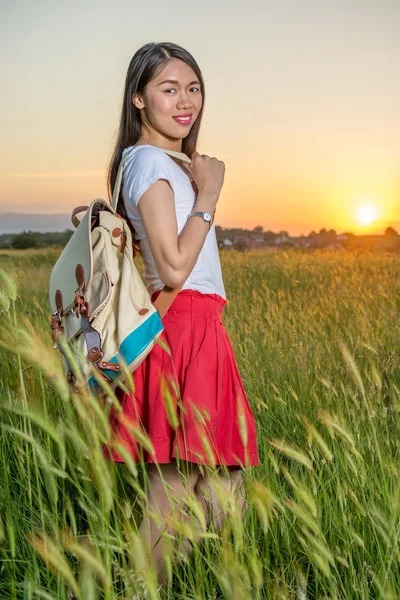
(281, 239)
(226, 244)
(257, 239)
(249, 240)
(242, 241)
(302, 242)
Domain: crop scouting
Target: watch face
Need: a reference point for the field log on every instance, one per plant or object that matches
(207, 216)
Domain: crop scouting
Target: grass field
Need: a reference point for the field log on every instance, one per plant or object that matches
(317, 340)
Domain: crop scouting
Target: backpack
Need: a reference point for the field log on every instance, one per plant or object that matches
(99, 302)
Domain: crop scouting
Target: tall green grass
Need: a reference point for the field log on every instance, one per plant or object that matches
(317, 340)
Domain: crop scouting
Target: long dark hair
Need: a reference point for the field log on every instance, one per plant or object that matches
(145, 65)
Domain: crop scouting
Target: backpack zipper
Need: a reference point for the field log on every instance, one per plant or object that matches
(106, 299)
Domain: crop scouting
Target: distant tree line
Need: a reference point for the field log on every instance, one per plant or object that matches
(34, 239)
(269, 235)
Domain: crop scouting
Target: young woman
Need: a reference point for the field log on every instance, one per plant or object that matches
(162, 108)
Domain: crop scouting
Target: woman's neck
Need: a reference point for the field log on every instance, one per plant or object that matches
(160, 143)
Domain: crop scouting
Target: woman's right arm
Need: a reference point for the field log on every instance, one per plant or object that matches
(175, 256)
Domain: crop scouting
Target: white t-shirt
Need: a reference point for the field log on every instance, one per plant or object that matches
(146, 165)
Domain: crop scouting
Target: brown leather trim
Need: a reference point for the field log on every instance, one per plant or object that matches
(104, 375)
(59, 302)
(56, 327)
(103, 364)
(76, 211)
(165, 299)
(81, 307)
(80, 276)
(94, 354)
(123, 241)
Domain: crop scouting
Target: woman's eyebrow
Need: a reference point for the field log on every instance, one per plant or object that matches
(176, 81)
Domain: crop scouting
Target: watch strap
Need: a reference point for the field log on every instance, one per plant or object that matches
(200, 213)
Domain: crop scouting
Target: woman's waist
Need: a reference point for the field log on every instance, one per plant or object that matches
(188, 300)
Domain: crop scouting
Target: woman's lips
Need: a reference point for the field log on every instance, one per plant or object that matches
(183, 121)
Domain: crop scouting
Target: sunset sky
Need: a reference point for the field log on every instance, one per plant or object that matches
(303, 104)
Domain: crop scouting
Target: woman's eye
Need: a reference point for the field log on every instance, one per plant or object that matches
(170, 89)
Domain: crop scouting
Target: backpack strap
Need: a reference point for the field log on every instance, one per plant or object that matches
(167, 294)
(165, 298)
(79, 209)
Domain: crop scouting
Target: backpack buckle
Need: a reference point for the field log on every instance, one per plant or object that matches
(81, 307)
(56, 326)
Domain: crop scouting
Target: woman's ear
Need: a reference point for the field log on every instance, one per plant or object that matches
(137, 100)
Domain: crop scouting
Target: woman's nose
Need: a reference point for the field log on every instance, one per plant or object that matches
(184, 102)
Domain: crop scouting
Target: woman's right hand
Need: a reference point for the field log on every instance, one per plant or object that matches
(207, 173)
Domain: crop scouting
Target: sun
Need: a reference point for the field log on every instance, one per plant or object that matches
(367, 214)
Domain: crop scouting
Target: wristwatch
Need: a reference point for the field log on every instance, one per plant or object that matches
(204, 215)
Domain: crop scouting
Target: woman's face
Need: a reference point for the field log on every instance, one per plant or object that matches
(165, 101)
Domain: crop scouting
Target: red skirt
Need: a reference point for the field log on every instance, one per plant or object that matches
(189, 400)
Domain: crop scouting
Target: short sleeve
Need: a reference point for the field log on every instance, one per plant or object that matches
(145, 166)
